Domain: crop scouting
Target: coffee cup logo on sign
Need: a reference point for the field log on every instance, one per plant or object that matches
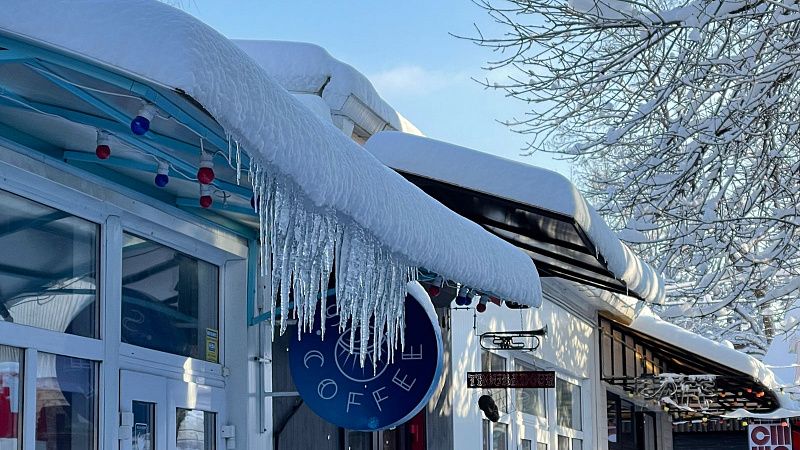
(377, 396)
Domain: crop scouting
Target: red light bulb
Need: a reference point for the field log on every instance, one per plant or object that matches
(205, 174)
(480, 307)
(103, 151)
(205, 196)
(433, 291)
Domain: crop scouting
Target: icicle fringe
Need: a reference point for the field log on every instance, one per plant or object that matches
(298, 248)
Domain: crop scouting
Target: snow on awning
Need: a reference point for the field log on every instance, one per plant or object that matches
(308, 68)
(646, 322)
(557, 200)
(319, 194)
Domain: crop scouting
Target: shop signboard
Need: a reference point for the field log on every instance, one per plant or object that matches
(769, 436)
(332, 382)
(516, 379)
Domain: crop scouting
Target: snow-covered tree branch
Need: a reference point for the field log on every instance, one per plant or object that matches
(683, 120)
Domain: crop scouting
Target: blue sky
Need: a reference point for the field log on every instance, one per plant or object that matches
(405, 48)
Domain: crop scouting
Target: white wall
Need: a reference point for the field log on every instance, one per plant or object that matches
(570, 348)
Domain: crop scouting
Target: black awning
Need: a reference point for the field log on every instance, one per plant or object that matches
(557, 244)
(637, 363)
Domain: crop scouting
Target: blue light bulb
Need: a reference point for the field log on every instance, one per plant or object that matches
(140, 125)
(162, 180)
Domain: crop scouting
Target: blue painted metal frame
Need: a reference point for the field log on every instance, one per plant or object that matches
(216, 206)
(107, 74)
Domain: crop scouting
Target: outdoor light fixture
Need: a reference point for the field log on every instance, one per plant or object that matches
(205, 174)
(141, 123)
(435, 287)
(464, 297)
(205, 196)
(489, 408)
(481, 306)
(162, 174)
(103, 150)
(744, 423)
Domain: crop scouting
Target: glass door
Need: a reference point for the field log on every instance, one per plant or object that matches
(169, 414)
(143, 407)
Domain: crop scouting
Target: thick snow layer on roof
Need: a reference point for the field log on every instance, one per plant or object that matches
(650, 324)
(309, 68)
(521, 183)
(335, 176)
(316, 104)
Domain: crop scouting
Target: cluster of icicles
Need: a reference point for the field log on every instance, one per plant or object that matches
(298, 248)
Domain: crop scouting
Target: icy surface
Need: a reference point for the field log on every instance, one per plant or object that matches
(308, 68)
(650, 324)
(320, 195)
(519, 182)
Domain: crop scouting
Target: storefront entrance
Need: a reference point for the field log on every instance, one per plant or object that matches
(159, 413)
(629, 428)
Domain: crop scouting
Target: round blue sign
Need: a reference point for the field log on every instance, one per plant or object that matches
(333, 384)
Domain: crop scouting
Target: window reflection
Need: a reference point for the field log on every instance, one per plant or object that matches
(10, 398)
(196, 430)
(491, 362)
(50, 282)
(169, 300)
(530, 400)
(66, 404)
(568, 405)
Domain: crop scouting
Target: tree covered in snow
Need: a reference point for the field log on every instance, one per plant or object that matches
(682, 117)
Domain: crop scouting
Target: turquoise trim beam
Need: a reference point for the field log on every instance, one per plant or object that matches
(252, 280)
(221, 221)
(186, 202)
(70, 156)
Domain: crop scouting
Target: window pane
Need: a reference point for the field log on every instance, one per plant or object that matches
(525, 444)
(66, 405)
(568, 404)
(51, 280)
(530, 400)
(195, 430)
(169, 300)
(359, 440)
(10, 398)
(144, 421)
(499, 436)
(563, 443)
(611, 414)
(541, 446)
(487, 444)
(577, 444)
(491, 362)
(626, 428)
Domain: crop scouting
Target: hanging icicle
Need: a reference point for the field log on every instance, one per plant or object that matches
(298, 249)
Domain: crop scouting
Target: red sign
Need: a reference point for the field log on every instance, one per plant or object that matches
(522, 379)
(769, 436)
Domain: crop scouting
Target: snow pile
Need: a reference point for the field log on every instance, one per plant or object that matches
(310, 69)
(521, 183)
(650, 324)
(319, 194)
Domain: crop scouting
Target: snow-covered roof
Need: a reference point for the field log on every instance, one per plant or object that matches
(323, 178)
(650, 324)
(309, 68)
(521, 183)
